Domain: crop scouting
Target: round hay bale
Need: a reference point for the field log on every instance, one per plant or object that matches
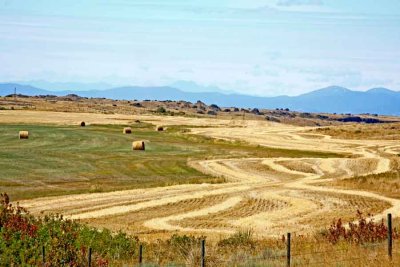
(23, 134)
(138, 145)
(127, 130)
(159, 128)
(83, 124)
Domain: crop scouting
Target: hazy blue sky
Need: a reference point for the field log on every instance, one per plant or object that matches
(263, 47)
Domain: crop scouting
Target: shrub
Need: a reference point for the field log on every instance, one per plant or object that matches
(161, 110)
(66, 241)
(240, 238)
(256, 111)
(215, 107)
(363, 231)
(18, 233)
(61, 240)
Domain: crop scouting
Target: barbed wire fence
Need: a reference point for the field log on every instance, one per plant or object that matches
(296, 251)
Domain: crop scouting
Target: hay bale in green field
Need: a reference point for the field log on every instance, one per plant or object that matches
(138, 145)
(23, 134)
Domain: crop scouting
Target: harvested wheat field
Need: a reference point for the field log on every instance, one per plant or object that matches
(193, 133)
(235, 174)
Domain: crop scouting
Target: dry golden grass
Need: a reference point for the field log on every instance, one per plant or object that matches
(362, 166)
(133, 222)
(244, 249)
(256, 166)
(298, 165)
(387, 183)
(224, 219)
(332, 206)
(387, 131)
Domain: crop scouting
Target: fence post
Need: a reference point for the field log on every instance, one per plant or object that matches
(140, 254)
(43, 256)
(90, 257)
(390, 241)
(203, 253)
(288, 250)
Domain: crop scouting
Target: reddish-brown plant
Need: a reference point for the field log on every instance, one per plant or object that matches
(364, 230)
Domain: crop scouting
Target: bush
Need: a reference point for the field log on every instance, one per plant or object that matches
(306, 115)
(161, 110)
(240, 238)
(17, 234)
(66, 242)
(215, 107)
(363, 231)
(256, 111)
(61, 240)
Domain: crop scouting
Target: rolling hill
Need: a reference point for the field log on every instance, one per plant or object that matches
(333, 99)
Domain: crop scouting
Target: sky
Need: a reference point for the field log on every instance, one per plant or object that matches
(258, 47)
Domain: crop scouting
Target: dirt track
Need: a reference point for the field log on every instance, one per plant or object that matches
(269, 195)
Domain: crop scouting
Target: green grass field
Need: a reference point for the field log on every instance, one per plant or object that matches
(58, 160)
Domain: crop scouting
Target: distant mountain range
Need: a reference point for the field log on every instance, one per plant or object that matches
(330, 99)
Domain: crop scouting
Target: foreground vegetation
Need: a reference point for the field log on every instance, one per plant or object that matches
(67, 243)
(59, 160)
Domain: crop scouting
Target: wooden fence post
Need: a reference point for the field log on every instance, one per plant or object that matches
(203, 253)
(90, 257)
(43, 256)
(288, 250)
(390, 241)
(140, 254)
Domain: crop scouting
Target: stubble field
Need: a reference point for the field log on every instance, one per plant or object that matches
(202, 176)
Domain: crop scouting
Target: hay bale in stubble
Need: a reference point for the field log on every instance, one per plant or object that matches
(83, 124)
(23, 134)
(138, 145)
(159, 128)
(127, 130)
